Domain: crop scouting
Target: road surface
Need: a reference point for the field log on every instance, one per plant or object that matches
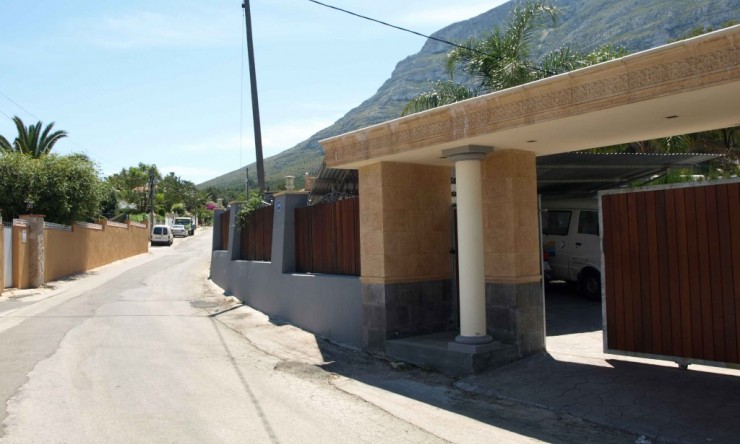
(137, 351)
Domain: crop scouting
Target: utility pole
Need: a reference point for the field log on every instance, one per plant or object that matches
(255, 101)
(246, 182)
(151, 198)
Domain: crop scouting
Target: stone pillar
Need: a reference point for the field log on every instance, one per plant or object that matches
(36, 249)
(470, 242)
(283, 229)
(514, 298)
(405, 251)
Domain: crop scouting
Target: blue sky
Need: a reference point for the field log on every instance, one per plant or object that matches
(160, 81)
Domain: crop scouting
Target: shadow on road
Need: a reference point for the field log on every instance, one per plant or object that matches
(540, 395)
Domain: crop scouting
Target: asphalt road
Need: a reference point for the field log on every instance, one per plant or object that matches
(145, 350)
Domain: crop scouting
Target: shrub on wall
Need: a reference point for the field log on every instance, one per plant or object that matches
(63, 188)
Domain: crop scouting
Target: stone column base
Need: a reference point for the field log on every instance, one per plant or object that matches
(515, 314)
(400, 310)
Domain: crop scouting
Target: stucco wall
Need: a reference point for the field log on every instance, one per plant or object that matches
(514, 299)
(327, 305)
(510, 217)
(405, 222)
(82, 249)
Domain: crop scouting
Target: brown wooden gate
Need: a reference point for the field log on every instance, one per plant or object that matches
(328, 238)
(224, 221)
(256, 236)
(672, 271)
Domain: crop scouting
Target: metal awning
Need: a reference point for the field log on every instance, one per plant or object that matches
(571, 174)
(579, 173)
(331, 184)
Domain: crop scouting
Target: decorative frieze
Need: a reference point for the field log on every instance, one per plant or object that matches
(681, 67)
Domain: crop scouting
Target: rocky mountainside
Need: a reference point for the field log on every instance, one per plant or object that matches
(635, 24)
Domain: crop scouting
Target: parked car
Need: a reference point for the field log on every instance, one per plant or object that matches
(570, 235)
(162, 235)
(179, 230)
(187, 222)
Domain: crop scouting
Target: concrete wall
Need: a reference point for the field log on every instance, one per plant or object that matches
(327, 305)
(83, 248)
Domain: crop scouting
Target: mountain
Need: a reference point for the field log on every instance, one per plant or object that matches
(584, 24)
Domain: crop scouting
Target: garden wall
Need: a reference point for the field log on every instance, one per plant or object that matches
(87, 246)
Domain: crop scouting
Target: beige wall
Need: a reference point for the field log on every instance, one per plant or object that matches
(510, 217)
(84, 248)
(404, 222)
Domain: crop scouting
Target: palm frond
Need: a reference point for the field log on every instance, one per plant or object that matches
(31, 140)
(5, 145)
(442, 93)
(47, 140)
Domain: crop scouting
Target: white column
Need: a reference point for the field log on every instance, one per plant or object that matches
(470, 242)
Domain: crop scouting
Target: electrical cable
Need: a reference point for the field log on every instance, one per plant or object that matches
(436, 39)
(19, 106)
(447, 42)
(86, 152)
(1, 112)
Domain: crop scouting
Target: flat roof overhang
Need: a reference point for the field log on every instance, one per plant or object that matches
(680, 88)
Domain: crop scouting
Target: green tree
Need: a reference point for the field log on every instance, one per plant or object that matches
(32, 140)
(178, 208)
(502, 60)
(132, 185)
(63, 188)
(109, 200)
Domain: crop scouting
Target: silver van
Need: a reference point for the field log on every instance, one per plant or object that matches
(570, 239)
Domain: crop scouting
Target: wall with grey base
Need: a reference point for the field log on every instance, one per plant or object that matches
(326, 305)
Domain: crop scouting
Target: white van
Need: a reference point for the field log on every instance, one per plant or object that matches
(570, 238)
(162, 234)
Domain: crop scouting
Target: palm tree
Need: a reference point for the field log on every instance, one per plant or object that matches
(443, 92)
(31, 140)
(502, 59)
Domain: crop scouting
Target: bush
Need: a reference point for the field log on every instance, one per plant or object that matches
(63, 188)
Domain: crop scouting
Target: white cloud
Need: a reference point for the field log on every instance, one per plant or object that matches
(155, 29)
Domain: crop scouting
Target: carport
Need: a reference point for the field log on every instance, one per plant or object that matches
(492, 142)
(585, 174)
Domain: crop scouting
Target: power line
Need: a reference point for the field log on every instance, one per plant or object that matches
(19, 106)
(447, 42)
(70, 140)
(436, 39)
(1, 112)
